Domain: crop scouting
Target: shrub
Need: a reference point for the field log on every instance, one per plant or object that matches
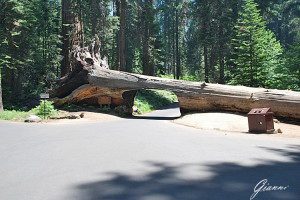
(45, 108)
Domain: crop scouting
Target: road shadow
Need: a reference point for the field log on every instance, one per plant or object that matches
(230, 181)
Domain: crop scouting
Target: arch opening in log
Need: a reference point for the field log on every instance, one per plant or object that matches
(156, 104)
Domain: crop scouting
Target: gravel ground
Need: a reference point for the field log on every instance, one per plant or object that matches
(232, 122)
(88, 117)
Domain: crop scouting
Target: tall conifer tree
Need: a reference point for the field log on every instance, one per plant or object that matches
(255, 49)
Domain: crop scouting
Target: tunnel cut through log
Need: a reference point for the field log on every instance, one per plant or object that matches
(92, 82)
(119, 88)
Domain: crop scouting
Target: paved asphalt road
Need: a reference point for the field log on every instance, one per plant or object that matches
(142, 159)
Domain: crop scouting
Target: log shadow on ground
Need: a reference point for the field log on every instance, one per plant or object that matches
(228, 181)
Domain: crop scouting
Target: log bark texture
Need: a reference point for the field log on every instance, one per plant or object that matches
(91, 81)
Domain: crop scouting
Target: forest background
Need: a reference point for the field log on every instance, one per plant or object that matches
(237, 42)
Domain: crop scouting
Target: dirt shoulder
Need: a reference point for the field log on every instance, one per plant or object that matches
(232, 123)
(88, 117)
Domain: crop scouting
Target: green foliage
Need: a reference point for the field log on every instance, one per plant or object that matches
(185, 77)
(15, 115)
(29, 47)
(284, 19)
(149, 100)
(171, 16)
(133, 37)
(175, 38)
(292, 57)
(169, 76)
(45, 108)
(256, 52)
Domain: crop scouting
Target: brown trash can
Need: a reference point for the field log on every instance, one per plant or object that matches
(260, 120)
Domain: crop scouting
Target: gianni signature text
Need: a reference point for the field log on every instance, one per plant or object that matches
(264, 186)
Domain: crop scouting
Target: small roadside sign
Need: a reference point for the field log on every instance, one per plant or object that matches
(44, 96)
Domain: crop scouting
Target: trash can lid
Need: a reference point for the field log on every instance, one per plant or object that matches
(259, 111)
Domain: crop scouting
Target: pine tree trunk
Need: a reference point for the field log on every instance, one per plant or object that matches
(94, 17)
(204, 19)
(178, 67)
(212, 62)
(173, 50)
(67, 19)
(221, 47)
(72, 33)
(205, 52)
(117, 49)
(206, 70)
(122, 39)
(145, 56)
(222, 69)
(79, 30)
(148, 68)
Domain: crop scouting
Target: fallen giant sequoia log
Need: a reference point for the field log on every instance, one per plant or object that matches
(95, 84)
